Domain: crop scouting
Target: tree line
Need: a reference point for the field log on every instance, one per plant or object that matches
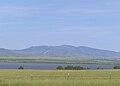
(116, 67)
(71, 68)
(75, 67)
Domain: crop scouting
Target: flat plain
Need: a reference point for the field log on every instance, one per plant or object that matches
(59, 77)
(57, 60)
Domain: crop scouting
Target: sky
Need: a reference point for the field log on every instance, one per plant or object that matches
(93, 23)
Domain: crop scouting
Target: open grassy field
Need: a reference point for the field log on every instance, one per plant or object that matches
(59, 78)
(56, 60)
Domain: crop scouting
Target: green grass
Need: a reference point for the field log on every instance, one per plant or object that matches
(59, 78)
(57, 60)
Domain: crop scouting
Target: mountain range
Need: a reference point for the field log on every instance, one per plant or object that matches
(61, 51)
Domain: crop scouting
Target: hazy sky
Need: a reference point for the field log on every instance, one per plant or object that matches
(94, 23)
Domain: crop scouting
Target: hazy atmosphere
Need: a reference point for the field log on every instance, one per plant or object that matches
(59, 42)
(94, 23)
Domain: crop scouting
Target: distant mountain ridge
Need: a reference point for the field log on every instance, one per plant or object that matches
(61, 51)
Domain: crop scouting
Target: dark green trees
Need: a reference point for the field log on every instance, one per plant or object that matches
(71, 68)
(116, 67)
(59, 68)
(21, 67)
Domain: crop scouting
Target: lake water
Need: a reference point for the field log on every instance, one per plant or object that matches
(49, 66)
